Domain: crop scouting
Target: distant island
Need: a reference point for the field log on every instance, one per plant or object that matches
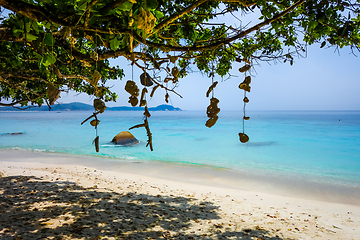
(77, 106)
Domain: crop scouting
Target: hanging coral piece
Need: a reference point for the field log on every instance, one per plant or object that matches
(145, 80)
(131, 88)
(94, 122)
(243, 137)
(96, 141)
(146, 112)
(99, 105)
(153, 90)
(94, 55)
(53, 93)
(245, 85)
(244, 68)
(211, 88)
(142, 99)
(95, 77)
(145, 20)
(148, 132)
(212, 112)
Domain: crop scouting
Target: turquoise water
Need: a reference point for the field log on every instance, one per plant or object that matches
(301, 144)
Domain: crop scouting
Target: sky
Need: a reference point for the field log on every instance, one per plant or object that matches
(325, 80)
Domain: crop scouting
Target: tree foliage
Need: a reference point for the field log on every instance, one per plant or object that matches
(53, 46)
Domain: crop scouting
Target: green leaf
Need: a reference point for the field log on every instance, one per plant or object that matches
(115, 43)
(48, 59)
(158, 14)
(17, 32)
(126, 6)
(49, 39)
(35, 26)
(27, 26)
(29, 37)
(150, 4)
(82, 5)
(38, 56)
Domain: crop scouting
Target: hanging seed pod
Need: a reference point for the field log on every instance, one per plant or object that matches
(243, 137)
(246, 118)
(167, 98)
(244, 68)
(94, 122)
(145, 80)
(99, 105)
(246, 100)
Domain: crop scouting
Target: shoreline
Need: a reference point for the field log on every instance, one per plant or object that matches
(286, 185)
(74, 197)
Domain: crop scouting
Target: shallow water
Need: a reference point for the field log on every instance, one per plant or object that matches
(323, 147)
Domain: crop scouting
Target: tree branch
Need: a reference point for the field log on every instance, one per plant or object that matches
(178, 15)
(112, 5)
(31, 11)
(12, 104)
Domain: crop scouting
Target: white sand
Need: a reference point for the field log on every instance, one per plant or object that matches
(54, 196)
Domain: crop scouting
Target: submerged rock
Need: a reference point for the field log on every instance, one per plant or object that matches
(124, 138)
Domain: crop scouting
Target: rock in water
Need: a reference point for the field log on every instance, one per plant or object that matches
(124, 138)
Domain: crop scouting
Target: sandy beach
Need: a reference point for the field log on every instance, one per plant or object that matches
(55, 196)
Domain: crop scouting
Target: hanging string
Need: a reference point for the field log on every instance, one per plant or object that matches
(212, 79)
(243, 120)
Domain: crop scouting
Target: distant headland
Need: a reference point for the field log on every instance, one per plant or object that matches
(77, 106)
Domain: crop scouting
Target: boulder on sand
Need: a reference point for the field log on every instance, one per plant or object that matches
(124, 138)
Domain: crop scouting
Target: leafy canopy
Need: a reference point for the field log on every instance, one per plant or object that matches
(53, 46)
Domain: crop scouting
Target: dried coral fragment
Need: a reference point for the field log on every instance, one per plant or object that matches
(213, 109)
(211, 122)
(96, 141)
(95, 77)
(245, 68)
(211, 88)
(99, 105)
(145, 20)
(133, 101)
(245, 84)
(145, 80)
(175, 72)
(53, 93)
(131, 88)
(94, 55)
(94, 122)
(243, 137)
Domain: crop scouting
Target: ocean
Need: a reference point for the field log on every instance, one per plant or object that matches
(322, 146)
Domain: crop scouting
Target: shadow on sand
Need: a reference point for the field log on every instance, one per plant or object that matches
(31, 208)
